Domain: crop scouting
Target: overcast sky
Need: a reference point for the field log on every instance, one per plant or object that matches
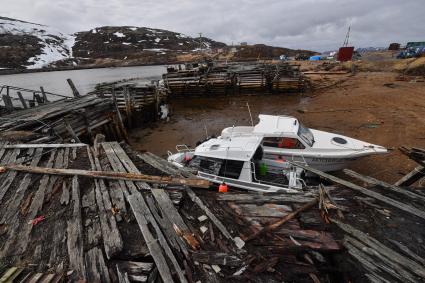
(308, 24)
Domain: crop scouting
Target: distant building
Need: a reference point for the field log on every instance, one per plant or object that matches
(394, 46)
(244, 43)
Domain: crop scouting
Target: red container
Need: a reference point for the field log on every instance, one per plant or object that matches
(345, 54)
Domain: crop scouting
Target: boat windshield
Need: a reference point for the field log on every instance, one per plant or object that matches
(306, 135)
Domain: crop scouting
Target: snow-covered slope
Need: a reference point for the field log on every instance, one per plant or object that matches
(119, 42)
(33, 45)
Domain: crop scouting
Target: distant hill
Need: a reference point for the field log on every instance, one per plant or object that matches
(25, 45)
(28, 45)
(121, 42)
(261, 51)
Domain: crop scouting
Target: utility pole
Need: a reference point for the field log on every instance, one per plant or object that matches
(200, 41)
(347, 37)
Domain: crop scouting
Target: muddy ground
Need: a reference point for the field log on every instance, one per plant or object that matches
(376, 107)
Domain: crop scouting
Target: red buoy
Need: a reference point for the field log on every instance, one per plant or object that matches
(223, 188)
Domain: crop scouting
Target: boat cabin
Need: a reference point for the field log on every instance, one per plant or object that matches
(276, 131)
(237, 162)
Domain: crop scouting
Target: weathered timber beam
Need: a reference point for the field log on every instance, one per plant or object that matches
(47, 145)
(416, 154)
(375, 195)
(283, 220)
(387, 186)
(198, 183)
(411, 177)
(75, 91)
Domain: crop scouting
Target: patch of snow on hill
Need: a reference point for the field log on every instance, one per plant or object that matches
(118, 34)
(55, 45)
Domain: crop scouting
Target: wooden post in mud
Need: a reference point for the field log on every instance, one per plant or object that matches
(126, 94)
(120, 122)
(75, 91)
(156, 105)
(21, 98)
(44, 94)
(8, 102)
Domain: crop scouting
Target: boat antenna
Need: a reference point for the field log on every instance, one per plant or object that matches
(206, 130)
(250, 115)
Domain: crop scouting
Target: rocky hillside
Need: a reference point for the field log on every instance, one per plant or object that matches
(25, 45)
(29, 45)
(261, 51)
(132, 42)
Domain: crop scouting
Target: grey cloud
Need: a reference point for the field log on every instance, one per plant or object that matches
(307, 24)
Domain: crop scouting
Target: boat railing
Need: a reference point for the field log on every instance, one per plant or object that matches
(183, 148)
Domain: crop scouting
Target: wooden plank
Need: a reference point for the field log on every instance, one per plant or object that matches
(168, 209)
(50, 145)
(8, 274)
(164, 166)
(392, 188)
(71, 131)
(411, 177)
(146, 218)
(7, 179)
(8, 103)
(64, 200)
(75, 234)
(43, 93)
(167, 168)
(237, 241)
(135, 267)
(21, 98)
(386, 264)
(57, 244)
(379, 197)
(75, 91)
(120, 120)
(140, 211)
(390, 254)
(217, 258)
(283, 220)
(173, 235)
(112, 240)
(59, 163)
(122, 276)
(199, 183)
(35, 207)
(35, 278)
(96, 269)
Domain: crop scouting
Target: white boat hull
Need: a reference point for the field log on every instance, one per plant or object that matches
(278, 162)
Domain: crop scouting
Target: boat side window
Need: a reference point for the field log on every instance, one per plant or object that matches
(207, 165)
(283, 142)
(231, 169)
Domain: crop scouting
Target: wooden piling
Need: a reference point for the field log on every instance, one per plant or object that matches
(75, 91)
(21, 98)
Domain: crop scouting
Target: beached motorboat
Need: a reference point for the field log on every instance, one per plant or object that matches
(284, 138)
(238, 163)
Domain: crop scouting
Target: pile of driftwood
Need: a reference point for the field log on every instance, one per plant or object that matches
(383, 223)
(235, 79)
(127, 217)
(64, 120)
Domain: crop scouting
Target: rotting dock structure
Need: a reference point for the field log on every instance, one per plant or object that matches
(235, 78)
(78, 207)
